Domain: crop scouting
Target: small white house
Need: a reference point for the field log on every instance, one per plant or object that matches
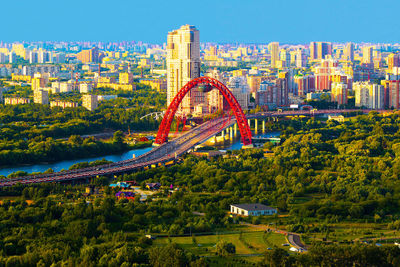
(252, 209)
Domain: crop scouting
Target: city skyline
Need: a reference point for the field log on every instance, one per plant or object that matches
(227, 21)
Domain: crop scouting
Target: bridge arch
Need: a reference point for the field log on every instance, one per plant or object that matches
(245, 132)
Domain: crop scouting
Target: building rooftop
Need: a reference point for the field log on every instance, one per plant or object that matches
(255, 206)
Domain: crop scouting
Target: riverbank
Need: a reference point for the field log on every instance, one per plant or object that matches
(134, 151)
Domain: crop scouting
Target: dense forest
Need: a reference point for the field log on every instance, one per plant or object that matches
(36, 133)
(322, 173)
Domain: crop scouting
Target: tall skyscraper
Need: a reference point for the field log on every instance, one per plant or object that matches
(33, 57)
(301, 58)
(368, 55)
(183, 65)
(285, 57)
(273, 49)
(319, 50)
(349, 52)
(393, 61)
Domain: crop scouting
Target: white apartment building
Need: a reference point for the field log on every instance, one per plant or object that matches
(368, 95)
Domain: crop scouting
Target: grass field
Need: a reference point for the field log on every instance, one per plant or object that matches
(245, 243)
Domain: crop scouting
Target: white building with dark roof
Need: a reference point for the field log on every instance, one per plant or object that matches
(252, 209)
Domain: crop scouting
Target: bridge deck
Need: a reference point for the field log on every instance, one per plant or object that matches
(164, 153)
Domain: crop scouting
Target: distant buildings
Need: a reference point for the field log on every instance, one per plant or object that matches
(125, 78)
(65, 87)
(160, 85)
(89, 56)
(301, 58)
(63, 104)
(241, 91)
(31, 70)
(85, 88)
(368, 55)
(393, 61)
(273, 94)
(320, 50)
(349, 52)
(304, 84)
(273, 49)
(16, 100)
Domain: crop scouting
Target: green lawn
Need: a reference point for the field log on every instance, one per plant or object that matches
(250, 243)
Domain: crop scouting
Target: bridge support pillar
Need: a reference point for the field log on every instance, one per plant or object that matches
(223, 134)
(263, 126)
(249, 122)
(256, 126)
(235, 129)
(230, 132)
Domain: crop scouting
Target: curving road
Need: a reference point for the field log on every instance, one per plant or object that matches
(161, 154)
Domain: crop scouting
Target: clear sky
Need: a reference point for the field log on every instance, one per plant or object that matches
(248, 21)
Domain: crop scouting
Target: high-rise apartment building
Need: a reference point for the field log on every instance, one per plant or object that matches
(183, 65)
(284, 57)
(349, 52)
(368, 55)
(12, 57)
(85, 88)
(2, 58)
(91, 55)
(393, 61)
(90, 102)
(392, 93)
(33, 57)
(41, 97)
(19, 50)
(125, 78)
(240, 89)
(273, 49)
(368, 95)
(304, 84)
(319, 50)
(38, 83)
(323, 73)
(301, 58)
(339, 93)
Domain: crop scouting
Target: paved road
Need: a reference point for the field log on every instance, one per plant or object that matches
(295, 240)
(164, 153)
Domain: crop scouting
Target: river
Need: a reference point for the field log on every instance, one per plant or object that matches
(65, 164)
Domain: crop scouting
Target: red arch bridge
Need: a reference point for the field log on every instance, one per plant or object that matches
(167, 151)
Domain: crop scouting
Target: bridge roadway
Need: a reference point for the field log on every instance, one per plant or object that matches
(161, 154)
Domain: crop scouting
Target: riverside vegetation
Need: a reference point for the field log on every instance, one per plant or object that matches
(322, 176)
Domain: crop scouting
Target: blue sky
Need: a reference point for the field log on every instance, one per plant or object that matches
(249, 21)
